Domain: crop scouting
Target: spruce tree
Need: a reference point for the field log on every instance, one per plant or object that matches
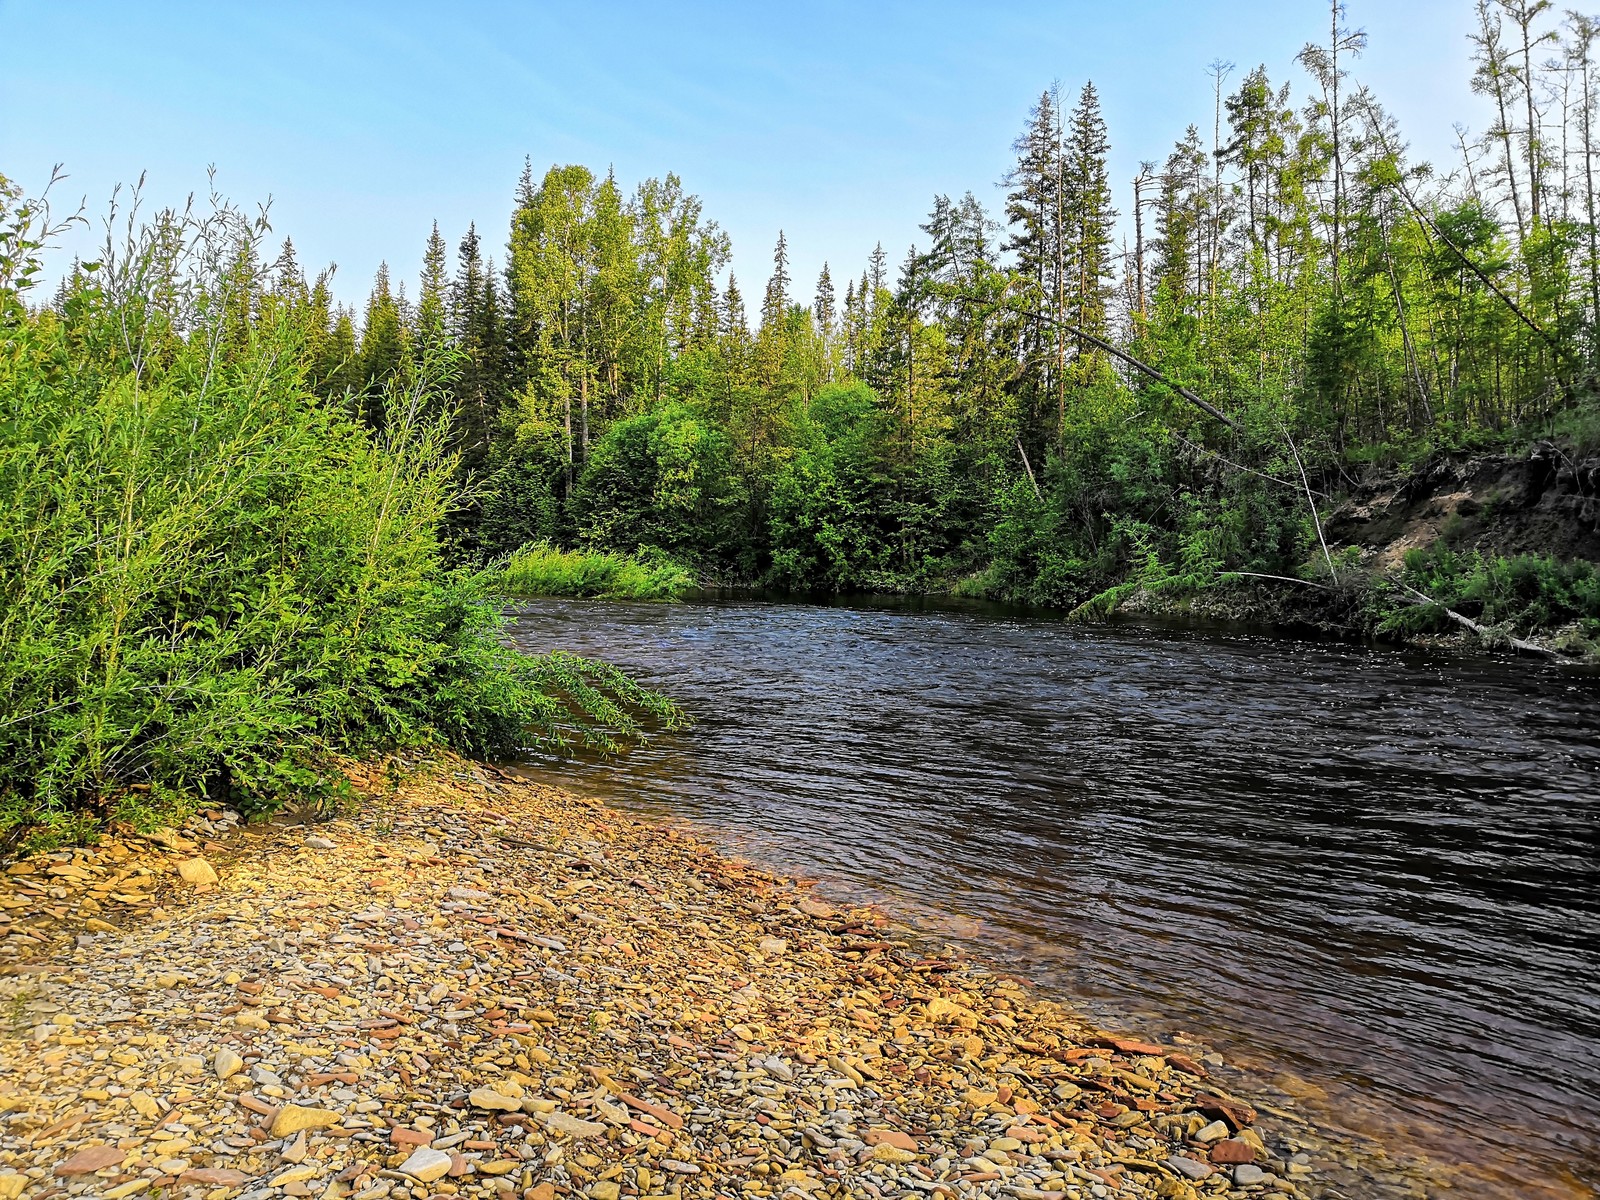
(1091, 218)
(383, 346)
(432, 305)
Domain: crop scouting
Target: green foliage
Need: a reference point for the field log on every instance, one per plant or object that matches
(522, 500)
(828, 489)
(1531, 595)
(211, 579)
(540, 569)
(660, 479)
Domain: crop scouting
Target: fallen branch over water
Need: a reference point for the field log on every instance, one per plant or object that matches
(1521, 645)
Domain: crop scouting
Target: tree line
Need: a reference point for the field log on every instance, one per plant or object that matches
(1027, 403)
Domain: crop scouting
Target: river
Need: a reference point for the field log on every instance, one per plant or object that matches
(1370, 879)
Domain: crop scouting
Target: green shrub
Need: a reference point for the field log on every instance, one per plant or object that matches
(541, 569)
(210, 579)
(1527, 594)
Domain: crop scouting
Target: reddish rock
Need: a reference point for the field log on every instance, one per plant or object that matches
(87, 1162)
(1133, 1046)
(401, 1136)
(1231, 1151)
(1236, 1113)
(891, 1137)
(459, 1166)
(214, 1177)
(1184, 1063)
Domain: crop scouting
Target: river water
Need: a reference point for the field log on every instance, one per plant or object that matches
(1369, 879)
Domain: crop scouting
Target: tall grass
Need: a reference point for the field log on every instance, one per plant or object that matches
(209, 578)
(540, 569)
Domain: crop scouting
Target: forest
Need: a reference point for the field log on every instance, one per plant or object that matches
(245, 525)
(970, 415)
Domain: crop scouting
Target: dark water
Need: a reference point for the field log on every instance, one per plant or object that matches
(1370, 878)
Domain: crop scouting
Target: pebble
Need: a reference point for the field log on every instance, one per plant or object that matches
(1247, 1173)
(427, 1164)
(1189, 1168)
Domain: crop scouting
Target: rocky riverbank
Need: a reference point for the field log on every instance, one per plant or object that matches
(484, 987)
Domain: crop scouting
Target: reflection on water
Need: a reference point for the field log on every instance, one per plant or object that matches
(1370, 871)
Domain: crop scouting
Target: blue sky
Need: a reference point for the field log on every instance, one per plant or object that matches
(835, 122)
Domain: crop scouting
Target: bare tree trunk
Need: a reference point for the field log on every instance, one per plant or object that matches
(1028, 467)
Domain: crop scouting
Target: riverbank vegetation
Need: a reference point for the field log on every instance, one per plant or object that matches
(211, 579)
(540, 569)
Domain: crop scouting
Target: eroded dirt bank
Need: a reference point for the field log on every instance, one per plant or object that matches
(484, 987)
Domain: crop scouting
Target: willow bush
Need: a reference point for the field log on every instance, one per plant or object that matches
(210, 579)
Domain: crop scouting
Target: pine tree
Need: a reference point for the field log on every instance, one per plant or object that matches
(432, 306)
(822, 308)
(772, 340)
(1088, 249)
(383, 345)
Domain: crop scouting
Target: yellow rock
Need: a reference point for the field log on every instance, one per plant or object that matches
(292, 1118)
(96, 925)
(604, 1190)
(499, 1166)
(940, 1009)
(197, 871)
(492, 1098)
(227, 1063)
(123, 1190)
(11, 1186)
(883, 1152)
(145, 1105)
(295, 1175)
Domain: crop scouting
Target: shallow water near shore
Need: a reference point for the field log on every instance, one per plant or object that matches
(1371, 878)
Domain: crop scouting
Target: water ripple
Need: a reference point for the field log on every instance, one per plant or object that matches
(1378, 870)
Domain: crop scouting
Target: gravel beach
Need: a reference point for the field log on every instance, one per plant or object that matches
(480, 986)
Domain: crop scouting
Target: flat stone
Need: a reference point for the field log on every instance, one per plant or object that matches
(1189, 1168)
(1245, 1173)
(214, 1177)
(292, 1118)
(296, 1175)
(565, 1125)
(879, 1136)
(885, 1153)
(1213, 1132)
(87, 1162)
(491, 1099)
(402, 1136)
(427, 1164)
